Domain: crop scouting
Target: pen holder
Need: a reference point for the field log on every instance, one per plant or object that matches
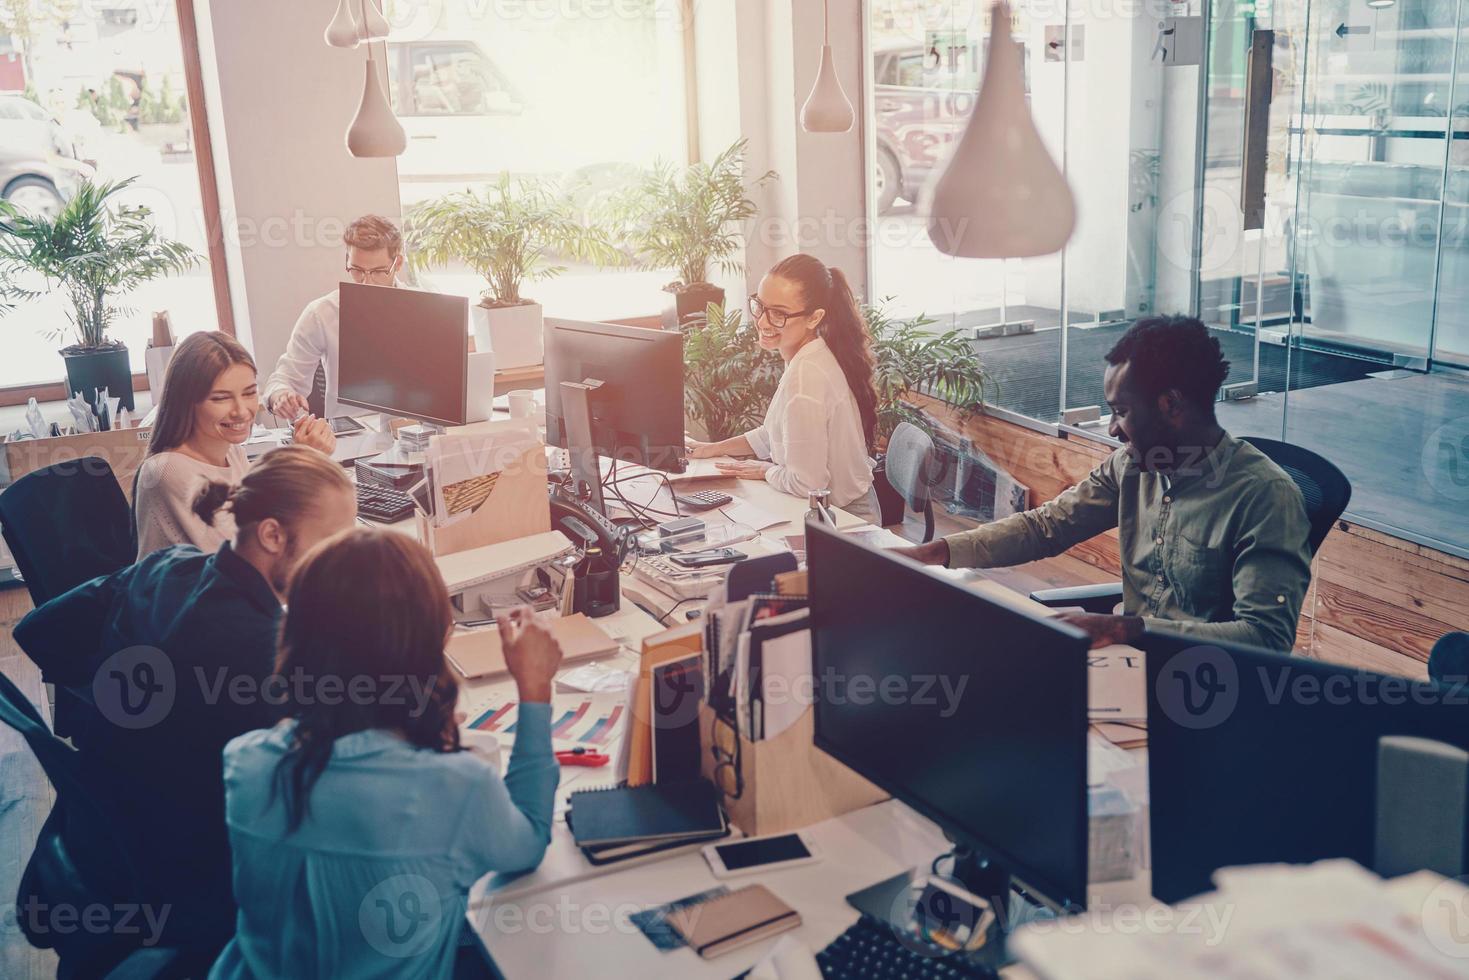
(788, 782)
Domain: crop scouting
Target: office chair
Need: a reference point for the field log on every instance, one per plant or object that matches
(67, 524)
(77, 862)
(914, 468)
(1324, 488)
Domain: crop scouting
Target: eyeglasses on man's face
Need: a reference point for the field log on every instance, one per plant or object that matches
(382, 274)
(776, 318)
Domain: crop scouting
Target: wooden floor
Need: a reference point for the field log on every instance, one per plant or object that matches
(25, 800)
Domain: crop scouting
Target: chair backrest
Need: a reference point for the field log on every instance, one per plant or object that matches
(67, 524)
(913, 466)
(1325, 488)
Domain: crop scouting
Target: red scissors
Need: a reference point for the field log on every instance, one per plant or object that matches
(582, 757)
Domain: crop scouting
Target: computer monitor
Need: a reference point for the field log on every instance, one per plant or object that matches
(971, 712)
(1258, 757)
(405, 352)
(637, 412)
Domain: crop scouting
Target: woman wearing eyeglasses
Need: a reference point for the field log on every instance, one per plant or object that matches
(375, 257)
(822, 423)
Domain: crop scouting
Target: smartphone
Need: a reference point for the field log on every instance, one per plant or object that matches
(701, 559)
(757, 854)
(345, 425)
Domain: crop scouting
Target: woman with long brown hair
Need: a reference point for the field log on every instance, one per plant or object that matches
(205, 414)
(821, 426)
(358, 824)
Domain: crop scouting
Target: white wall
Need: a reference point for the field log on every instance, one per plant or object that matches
(279, 103)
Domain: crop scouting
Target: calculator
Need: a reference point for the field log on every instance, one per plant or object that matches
(702, 500)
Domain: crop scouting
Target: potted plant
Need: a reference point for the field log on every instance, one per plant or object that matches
(688, 220)
(95, 250)
(510, 233)
(911, 358)
(728, 379)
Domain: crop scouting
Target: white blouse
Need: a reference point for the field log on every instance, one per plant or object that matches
(167, 485)
(813, 431)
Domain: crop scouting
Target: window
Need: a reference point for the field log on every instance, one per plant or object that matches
(102, 92)
(578, 93)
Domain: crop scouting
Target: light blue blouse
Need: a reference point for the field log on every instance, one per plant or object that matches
(375, 881)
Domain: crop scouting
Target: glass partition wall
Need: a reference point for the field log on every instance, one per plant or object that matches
(1292, 172)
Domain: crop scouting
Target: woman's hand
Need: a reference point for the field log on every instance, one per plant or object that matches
(749, 469)
(532, 654)
(701, 450)
(314, 432)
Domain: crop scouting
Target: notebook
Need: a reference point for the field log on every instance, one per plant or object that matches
(478, 653)
(728, 922)
(655, 812)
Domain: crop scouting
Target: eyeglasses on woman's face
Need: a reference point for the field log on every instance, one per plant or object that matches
(777, 318)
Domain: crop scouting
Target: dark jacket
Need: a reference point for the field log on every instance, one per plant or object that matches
(170, 656)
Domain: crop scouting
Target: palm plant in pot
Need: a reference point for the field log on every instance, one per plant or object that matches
(689, 220)
(95, 250)
(729, 380)
(512, 232)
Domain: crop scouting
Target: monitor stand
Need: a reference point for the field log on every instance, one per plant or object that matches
(576, 411)
(892, 901)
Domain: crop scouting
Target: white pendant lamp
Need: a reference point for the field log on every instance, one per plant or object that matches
(827, 109)
(375, 131)
(342, 31)
(1001, 195)
(373, 26)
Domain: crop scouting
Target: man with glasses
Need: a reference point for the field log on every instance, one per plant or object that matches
(374, 256)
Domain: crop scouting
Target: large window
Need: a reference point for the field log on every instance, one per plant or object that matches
(578, 92)
(99, 89)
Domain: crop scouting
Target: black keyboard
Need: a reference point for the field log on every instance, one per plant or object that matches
(870, 950)
(383, 504)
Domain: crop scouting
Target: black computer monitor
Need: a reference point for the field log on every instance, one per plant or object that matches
(405, 352)
(1256, 756)
(637, 412)
(970, 711)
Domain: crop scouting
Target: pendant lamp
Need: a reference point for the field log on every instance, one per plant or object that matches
(342, 31)
(375, 131)
(373, 26)
(827, 109)
(1000, 195)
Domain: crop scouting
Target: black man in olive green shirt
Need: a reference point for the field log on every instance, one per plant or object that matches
(1213, 536)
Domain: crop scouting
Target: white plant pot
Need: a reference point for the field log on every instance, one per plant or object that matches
(514, 333)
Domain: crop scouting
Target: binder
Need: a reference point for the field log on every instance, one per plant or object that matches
(627, 815)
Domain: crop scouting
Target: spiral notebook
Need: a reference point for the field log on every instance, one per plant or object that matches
(655, 812)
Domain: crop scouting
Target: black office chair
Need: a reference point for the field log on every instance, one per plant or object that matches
(914, 468)
(1324, 488)
(67, 524)
(77, 863)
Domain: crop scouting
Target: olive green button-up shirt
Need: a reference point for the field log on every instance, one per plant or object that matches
(1219, 548)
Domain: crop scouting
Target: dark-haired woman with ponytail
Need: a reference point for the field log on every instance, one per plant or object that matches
(821, 426)
(173, 657)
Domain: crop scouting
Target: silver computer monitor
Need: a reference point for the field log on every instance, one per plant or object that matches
(404, 352)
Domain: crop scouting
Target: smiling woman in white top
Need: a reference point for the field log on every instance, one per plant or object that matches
(821, 425)
(205, 415)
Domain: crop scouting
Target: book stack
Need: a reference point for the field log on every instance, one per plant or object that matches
(621, 823)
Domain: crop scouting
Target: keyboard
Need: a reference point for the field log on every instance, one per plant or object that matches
(870, 950)
(383, 504)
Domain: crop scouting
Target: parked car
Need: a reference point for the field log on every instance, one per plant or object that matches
(39, 170)
(921, 101)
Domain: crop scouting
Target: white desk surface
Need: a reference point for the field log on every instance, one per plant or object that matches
(569, 918)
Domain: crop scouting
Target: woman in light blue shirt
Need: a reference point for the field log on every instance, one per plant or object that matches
(358, 825)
